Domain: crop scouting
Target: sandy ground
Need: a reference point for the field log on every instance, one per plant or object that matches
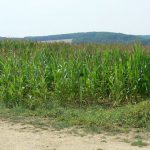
(16, 136)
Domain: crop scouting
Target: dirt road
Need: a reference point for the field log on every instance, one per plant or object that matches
(15, 136)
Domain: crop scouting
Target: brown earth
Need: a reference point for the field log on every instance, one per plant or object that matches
(17, 136)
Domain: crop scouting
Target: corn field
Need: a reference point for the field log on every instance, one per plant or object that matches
(39, 74)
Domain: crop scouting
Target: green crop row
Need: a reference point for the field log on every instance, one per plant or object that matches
(38, 74)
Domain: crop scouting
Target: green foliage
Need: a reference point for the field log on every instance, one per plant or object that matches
(38, 74)
(93, 119)
(139, 143)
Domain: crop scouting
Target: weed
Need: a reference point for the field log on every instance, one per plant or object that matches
(139, 143)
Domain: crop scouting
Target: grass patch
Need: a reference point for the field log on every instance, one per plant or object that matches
(139, 143)
(93, 119)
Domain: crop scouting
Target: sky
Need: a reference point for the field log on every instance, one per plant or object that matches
(19, 18)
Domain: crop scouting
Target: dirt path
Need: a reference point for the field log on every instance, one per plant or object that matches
(15, 136)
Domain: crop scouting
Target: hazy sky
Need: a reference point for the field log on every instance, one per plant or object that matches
(45, 17)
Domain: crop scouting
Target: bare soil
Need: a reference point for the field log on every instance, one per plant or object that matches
(17, 136)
